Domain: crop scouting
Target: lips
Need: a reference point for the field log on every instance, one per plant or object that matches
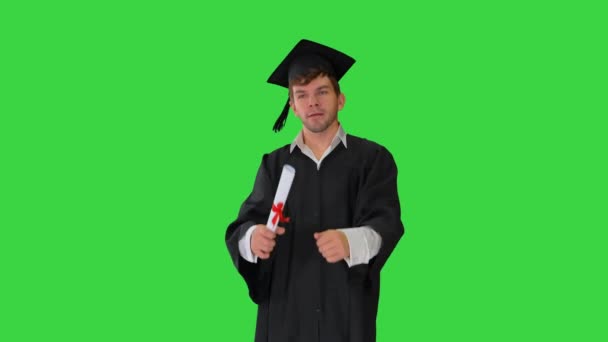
(313, 115)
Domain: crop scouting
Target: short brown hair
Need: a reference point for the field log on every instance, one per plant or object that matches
(311, 75)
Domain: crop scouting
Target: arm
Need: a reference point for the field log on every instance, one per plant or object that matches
(245, 247)
(364, 244)
(377, 205)
(354, 245)
(253, 211)
(258, 242)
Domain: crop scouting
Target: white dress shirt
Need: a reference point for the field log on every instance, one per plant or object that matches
(364, 242)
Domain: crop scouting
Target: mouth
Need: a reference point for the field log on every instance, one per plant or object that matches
(314, 115)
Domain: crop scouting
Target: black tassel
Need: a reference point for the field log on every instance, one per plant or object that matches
(280, 123)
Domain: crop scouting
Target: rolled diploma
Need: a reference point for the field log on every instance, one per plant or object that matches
(281, 196)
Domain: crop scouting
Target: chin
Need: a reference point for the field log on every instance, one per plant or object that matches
(317, 129)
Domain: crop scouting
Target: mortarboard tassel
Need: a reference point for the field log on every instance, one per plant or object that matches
(280, 123)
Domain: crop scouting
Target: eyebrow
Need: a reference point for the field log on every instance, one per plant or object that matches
(317, 89)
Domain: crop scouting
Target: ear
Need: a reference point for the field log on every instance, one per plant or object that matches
(292, 105)
(341, 101)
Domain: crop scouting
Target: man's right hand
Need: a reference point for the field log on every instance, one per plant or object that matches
(263, 240)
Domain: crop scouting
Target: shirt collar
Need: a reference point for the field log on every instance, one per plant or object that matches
(299, 140)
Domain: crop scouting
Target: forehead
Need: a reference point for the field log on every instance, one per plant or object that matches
(319, 81)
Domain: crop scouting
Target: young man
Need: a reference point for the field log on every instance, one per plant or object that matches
(317, 278)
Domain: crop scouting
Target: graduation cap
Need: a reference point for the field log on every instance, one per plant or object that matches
(303, 58)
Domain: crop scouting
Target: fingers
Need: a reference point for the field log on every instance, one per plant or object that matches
(267, 233)
(333, 259)
(263, 241)
(324, 238)
(332, 255)
(262, 246)
(262, 255)
(330, 245)
(265, 244)
(329, 250)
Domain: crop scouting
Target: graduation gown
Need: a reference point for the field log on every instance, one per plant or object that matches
(300, 296)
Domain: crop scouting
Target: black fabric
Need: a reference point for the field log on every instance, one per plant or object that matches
(280, 123)
(300, 296)
(307, 63)
(307, 54)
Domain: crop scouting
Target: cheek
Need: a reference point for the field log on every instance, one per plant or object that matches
(293, 108)
(296, 106)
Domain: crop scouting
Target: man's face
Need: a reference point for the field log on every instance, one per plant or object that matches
(316, 104)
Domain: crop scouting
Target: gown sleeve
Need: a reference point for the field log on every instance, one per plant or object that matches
(253, 211)
(377, 205)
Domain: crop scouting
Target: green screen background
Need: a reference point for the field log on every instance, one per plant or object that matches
(130, 133)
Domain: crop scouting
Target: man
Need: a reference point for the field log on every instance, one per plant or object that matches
(317, 278)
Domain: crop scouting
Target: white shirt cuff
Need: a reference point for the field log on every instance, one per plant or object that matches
(364, 244)
(245, 246)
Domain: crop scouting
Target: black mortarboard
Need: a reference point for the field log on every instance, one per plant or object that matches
(304, 56)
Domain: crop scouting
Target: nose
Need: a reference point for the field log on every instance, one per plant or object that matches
(312, 101)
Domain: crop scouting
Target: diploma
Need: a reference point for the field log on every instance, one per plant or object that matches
(276, 213)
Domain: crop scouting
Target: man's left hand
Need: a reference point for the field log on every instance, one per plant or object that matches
(333, 245)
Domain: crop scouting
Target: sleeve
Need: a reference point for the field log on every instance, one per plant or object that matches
(377, 205)
(245, 246)
(364, 244)
(253, 211)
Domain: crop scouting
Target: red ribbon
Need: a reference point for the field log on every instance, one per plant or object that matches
(278, 214)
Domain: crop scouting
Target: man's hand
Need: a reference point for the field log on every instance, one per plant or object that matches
(333, 245)
(262, 240)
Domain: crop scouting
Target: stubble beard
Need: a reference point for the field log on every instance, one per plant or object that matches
(321, 126)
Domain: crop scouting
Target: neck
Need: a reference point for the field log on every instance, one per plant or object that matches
(319, 142)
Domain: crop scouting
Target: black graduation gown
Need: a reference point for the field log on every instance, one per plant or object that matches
(300, 296)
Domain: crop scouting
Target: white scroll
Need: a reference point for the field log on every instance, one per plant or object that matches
(276, 213)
